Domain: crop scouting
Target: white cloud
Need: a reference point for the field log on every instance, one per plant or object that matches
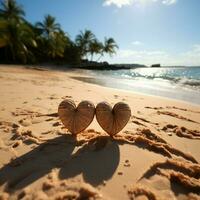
(169, 2)
(187, 58)
(137, 43)
(120, 3)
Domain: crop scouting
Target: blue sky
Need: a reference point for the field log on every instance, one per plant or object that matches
(147, 31)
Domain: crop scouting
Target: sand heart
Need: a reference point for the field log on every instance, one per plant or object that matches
(113, 120)
(76, 119)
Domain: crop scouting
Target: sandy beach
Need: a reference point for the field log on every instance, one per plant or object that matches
(156, 156)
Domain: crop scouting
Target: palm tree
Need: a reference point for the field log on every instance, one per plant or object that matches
(83, 41)
(49, 26)
(17, 36)
(9, 10)
(57, 45)
(53, 40)
(17, 39)
(95, 47)
(109, 47)
(21, 41)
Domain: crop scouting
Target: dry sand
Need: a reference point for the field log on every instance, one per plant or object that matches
(156, 156)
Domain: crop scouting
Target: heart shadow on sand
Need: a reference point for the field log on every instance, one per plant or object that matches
(96, 161)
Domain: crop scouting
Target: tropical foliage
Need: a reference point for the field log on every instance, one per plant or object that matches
(45, 41)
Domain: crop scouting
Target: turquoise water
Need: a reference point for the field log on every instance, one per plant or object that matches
(176, 83)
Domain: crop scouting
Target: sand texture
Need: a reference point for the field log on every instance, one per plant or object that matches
(156, 156)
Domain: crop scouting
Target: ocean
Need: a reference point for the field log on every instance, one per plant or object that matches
(177, 83)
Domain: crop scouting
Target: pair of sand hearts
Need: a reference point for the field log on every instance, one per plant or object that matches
(78, 118)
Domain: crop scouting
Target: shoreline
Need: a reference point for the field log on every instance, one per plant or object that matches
(83, 79)
(82, 74)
